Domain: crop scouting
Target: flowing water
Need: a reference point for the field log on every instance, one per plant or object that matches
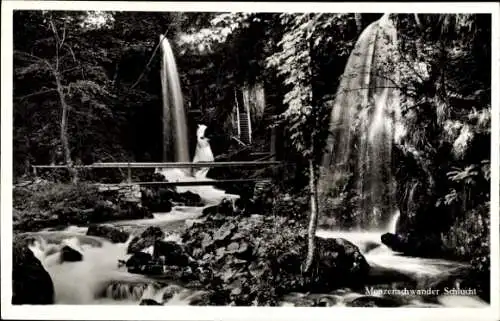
(364, 122)
(99, 279)
(174, 114)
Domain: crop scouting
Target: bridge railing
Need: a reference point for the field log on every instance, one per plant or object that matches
(189, 165)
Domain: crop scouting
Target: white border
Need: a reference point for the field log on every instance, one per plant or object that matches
(235, 313)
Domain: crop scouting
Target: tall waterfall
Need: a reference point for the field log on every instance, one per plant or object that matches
(174, 115)
(363, 124)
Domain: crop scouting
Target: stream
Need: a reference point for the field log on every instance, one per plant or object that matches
(98, 278)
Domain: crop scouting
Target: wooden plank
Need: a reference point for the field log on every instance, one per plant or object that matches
(193, 183)
(167, 165)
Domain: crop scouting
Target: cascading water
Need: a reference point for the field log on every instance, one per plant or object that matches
(175, 128)
(174, 115)
(98, 279)
(363, 123)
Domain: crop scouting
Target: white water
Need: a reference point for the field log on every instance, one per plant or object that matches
(174, 114)
(365, 114)
(98, 278)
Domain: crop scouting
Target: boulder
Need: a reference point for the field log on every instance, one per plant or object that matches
(244, 206)
(114, 234)
(149, 302)
(188, 199)
(31, 283)
(225, 207)
(170, 253)
(146, 239)
(138, 259)
(157, 200)
(132, 210)
(69, 254)
(338, 263)
(414, 245)
(210, 210)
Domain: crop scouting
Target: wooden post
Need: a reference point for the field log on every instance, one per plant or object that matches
(129, 174)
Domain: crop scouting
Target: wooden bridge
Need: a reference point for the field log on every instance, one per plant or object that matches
(180, 165)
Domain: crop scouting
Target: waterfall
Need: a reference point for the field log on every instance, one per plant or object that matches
(363, 122)
(174, 115)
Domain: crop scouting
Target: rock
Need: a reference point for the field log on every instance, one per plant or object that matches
(69, 254)
(131, 210)
(210, 210)
(171, 253)
(414, 245)
(157, 200)
(149, 302)
(170, 291)
(243, 206)
(115, 235)
(189, 199)
(225, 207)
(103, 211)
(338, 263)
(141, 263)
(146, 239)
(373, 301)
(31, 283)
(139, 258)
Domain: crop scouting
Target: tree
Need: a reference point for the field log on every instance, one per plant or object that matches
(297, 62)
(57, 74)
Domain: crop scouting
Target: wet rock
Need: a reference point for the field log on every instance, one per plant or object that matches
(170, 291)
(210, 210)
(31, 283)
(69, 254)
(244, 206)
(104, 210)
(132, 210)
(115, 235)
(146, 239)
(188, 199)
(373, 301)
(225, 207)
(149, 302)
(138, 259)
(413, 244)
(338, 263)
(157, 200)
(170, 253)
(143, 263)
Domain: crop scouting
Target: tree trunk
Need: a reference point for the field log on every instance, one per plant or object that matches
(313, 220)
(64, 131)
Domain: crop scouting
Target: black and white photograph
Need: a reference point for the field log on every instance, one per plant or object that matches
(249, 156)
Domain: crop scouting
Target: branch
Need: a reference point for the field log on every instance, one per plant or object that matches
(58, 43)
(71, 51)
(35, 58)
(28, 55)
(148, 64)
(63, 36)
(41, 92)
